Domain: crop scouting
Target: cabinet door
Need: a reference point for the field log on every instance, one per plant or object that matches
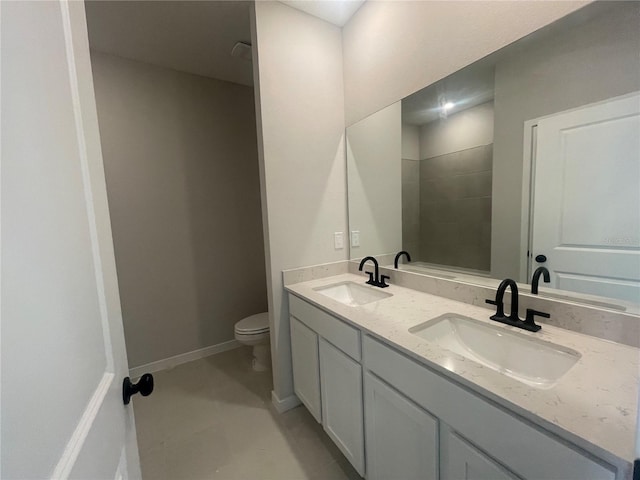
(342, 418)
(306, 371)
(402, 439)
(462, 461)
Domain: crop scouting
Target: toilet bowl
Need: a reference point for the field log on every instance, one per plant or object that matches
(254, 331)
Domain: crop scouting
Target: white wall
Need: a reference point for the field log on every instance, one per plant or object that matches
(300, 104)
(181, 165)
(394, 48)
(374, 154)
(466, 129)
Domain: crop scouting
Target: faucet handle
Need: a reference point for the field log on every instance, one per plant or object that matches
(531, 313)
(383, 284)
(370, 281)
(499, 308)
(529, 320)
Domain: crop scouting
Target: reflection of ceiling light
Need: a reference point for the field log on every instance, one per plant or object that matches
(445, 106)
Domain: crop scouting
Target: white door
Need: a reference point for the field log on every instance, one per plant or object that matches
(586, 207)
(62, 352)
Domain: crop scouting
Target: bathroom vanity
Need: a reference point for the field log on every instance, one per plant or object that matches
(400, 404)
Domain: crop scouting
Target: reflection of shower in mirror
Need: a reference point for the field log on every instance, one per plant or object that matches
(460, 178)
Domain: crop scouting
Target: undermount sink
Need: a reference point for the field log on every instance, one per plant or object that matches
(352, 294)
(530, 360)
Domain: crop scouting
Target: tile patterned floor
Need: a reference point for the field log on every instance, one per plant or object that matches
(213, 419)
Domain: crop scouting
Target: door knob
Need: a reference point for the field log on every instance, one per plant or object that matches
(541, 258)
(144, 387)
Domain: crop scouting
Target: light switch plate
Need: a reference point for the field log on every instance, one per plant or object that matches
(338, 240)
(355, 238)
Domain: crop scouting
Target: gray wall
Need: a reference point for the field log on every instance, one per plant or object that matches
(455, 189)
(411, 207)
(468, 128)
(446, 195)
(181, 166)
(593, 62)
(455, 208)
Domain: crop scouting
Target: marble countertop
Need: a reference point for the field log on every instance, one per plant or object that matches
(594, 405)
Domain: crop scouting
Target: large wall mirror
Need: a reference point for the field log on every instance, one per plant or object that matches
(529, 157)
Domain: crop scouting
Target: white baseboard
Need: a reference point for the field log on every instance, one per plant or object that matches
(285, 404)
(183, 358)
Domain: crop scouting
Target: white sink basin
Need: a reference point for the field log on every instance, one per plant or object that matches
(530, 360)
(353, 294)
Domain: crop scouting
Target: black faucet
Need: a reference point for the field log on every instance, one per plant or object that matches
(528, 323)
(397, 259)
(536, 278)
(374, 278)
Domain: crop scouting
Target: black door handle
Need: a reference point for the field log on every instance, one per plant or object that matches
(144, 387)
(541, 258)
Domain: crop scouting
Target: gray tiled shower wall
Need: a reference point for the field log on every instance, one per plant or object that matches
(446, 208)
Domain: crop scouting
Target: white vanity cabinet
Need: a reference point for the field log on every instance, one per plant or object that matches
(410, 421)
(401, 438)
(406, 442)
(327, 376)
(478, 439)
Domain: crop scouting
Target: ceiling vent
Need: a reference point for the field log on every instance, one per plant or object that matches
(242, 50)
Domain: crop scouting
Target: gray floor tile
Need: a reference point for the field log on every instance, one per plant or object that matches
(213, 419)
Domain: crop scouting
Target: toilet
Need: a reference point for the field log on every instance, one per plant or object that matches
(254, 331)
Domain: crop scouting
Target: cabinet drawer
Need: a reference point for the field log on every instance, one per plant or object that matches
(343, 336)
(523, 447)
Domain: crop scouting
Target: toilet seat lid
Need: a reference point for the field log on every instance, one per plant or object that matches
(257, 323)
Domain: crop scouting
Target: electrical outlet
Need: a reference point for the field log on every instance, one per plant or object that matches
(355, 238)
(338, 240)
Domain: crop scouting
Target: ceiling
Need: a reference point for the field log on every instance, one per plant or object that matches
(337, 12)
(190, 36)
(466, 88)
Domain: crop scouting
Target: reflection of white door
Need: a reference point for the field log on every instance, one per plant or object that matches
(63, 356)
(586, 207)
